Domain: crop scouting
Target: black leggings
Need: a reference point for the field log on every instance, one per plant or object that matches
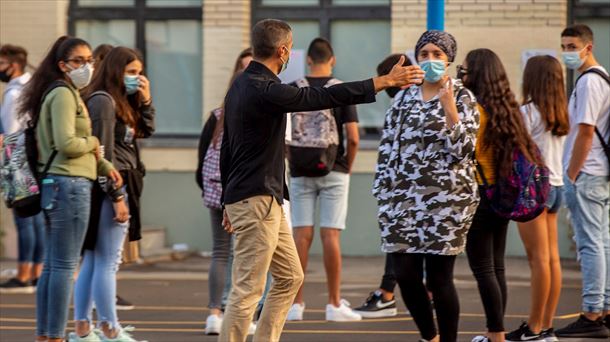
(388, 281)
(485, 248)
(409, 271)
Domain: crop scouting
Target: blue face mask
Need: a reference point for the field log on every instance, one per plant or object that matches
(131, 84)
(435, 69)
(572, 59)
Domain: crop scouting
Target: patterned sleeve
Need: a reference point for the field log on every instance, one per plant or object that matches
(385, 147)
(461, 139)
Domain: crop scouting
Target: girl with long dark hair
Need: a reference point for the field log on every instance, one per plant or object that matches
(72, 155)
(501, 131)
(545, 114)
(121, 110)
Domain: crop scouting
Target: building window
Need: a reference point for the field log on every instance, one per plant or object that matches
(168, 33)
(347, 24)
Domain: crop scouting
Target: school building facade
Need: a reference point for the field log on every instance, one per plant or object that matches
(190, 46)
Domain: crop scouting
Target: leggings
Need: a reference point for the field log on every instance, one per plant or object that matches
(388, 281)
(409, 271)
(485, 248)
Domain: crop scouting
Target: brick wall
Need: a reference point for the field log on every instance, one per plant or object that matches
(507, 27)
(33, 24)
(412, 13)
(226, 28)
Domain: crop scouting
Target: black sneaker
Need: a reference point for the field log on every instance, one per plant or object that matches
(16, 286)
(122, 304)
(549, 335)
(376, 306)
(524, 333)
(607, 321)
(584, 327)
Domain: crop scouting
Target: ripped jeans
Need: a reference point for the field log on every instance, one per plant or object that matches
(97, 278)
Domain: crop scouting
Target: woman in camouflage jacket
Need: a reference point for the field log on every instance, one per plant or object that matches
(425, 185)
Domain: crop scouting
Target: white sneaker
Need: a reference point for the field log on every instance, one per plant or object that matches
(252, 328)
(343, 313)
(296, 312)
(480, 338)
(213, 324)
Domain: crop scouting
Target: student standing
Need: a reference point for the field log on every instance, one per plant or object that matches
(587, 187)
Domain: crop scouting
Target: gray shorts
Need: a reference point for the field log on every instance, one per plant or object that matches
(331, 191)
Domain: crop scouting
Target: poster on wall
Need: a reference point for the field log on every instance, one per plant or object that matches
(529, 53)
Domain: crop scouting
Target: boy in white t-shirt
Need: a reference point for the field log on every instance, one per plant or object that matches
(587, 183)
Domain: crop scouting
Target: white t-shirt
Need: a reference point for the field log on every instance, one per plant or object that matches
(551, 146)
(590, 104)
(11, 123)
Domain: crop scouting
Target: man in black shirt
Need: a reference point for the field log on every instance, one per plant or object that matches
(252, 174)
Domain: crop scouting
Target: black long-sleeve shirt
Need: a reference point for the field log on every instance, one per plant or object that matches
(252, 153)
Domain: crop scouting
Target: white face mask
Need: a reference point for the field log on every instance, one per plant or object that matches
(80, 77)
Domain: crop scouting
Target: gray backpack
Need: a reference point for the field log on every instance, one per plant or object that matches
(315, 139)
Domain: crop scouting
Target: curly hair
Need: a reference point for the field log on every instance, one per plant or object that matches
(505, 131)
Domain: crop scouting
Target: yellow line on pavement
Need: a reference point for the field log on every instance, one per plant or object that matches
(203, 309)
(32, 320)
(287, 331)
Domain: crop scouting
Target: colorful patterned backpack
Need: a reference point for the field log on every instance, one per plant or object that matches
(523, 194)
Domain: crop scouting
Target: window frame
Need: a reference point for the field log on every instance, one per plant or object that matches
(140, 13)
(324, 13)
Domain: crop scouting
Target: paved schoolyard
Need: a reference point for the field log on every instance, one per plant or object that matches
(171, 300)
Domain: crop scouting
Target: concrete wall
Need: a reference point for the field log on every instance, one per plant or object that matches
(35, 25)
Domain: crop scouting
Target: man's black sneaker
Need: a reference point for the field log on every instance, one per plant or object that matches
(122, 304)
(16, 286)
(524, 333)
(607, 321)
(376, 306)
(549, 335)
(584, 327)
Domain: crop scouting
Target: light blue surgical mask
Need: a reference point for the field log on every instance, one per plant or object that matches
(131, 84)
(572, 59)
(434, 69)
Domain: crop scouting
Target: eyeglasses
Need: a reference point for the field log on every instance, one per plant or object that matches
(462, 70)
(80, 61)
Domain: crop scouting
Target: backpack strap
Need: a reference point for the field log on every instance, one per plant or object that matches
(102, 93)
(605, 145)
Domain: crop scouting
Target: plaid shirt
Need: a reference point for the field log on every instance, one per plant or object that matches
(212, 187)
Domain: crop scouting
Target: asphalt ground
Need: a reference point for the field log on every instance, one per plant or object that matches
(171, 299)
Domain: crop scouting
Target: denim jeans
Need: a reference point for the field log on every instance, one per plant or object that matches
(30, 237)
(66, 204)
(97, 278)
(588, 202)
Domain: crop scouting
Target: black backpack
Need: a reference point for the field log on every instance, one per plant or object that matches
(30, 206)
(605, 144)
(315, 140)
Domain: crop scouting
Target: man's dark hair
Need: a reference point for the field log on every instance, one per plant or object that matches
(320, 51)
(579, 31)
(15, 54)
(268, 35)
(388, 63)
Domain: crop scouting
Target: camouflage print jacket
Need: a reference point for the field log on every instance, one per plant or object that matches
(425, 182)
